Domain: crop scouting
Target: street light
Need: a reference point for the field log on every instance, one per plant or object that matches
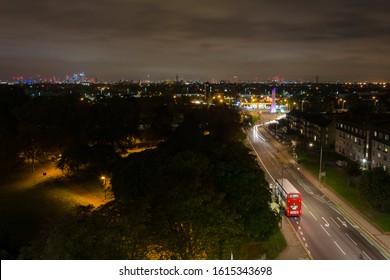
(320, 174)
(103, 178)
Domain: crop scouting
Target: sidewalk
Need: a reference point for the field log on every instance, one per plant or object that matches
(295, 250)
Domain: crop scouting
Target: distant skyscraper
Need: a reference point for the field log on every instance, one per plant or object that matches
(273, 105)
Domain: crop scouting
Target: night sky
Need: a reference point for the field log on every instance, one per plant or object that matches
(344, 40)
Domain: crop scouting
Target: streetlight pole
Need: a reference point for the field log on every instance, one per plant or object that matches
(320, 174)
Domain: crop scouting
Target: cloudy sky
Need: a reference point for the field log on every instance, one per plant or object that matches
(345, 40)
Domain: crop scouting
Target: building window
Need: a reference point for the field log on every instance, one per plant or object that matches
(375, 133)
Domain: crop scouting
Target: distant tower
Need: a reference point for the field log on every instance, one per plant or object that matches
(273, 105)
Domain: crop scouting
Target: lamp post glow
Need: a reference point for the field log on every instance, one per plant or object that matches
(103, 178)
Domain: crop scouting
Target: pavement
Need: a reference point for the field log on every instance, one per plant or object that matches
(297, 251)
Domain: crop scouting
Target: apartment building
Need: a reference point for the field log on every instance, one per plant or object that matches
(316, 128)
(365, 140)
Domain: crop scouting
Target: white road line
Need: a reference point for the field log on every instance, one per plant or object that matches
(384, 256)
(326, 222)
(335, 222)
(325, 230)
(304, 204)
(367, 239)
(339, 247)
(303, 238)
(262, 163)
(299, 227)
(366, 255)
(344, 223)
(351, 239)
(307, 246)
(313, 215)
(301, 233)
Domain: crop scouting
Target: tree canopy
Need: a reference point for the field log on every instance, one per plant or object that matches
(199, 195)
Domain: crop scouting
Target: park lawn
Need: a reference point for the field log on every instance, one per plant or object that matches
(24, 212)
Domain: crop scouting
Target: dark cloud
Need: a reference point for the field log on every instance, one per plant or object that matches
(125, 39)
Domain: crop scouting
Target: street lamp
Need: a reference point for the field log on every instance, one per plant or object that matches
(320, 174)
(103, 178)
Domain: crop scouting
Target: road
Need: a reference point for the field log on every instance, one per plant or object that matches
(325, 231)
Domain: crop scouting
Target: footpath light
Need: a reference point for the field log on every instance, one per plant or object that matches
(103, 178)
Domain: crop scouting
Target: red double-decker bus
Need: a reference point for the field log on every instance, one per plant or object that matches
(289, 198)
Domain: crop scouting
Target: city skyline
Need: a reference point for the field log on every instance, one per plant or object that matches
(156, 40)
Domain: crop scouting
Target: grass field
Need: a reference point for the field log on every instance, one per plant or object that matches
(29, 205)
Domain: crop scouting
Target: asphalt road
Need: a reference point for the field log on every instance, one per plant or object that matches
(326, 233)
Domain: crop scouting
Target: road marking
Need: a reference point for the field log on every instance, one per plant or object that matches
(304, 204)
(301, 232)
(366, 239)
(344, 223)
(325, 230)
(366, 255)
(303, 238)
(384, 256)
(351, 239)
(313, 215)
(307, 246)
(326, 222)
(262, 163)
(335, 222)
(339, 247)
(299, 227)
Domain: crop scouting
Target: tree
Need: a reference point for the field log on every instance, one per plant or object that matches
(93, 234)
(247, 192)
(353, 170)
(190, 218)
(74, 158)
(374, 187)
